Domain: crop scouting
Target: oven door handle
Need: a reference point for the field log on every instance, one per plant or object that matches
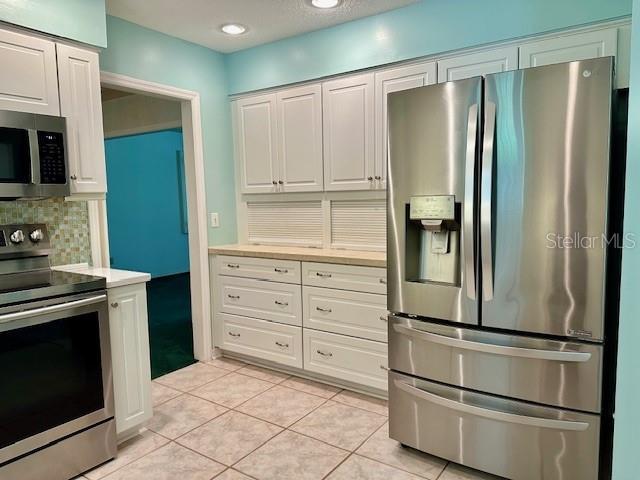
(60, 307)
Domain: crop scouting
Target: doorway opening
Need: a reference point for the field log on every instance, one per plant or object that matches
(147, 215)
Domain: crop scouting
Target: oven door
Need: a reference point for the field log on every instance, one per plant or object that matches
(55, 371)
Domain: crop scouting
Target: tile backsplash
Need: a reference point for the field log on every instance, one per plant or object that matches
(67, 222)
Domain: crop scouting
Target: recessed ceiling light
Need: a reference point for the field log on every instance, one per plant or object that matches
(233, 29)
(325, 3)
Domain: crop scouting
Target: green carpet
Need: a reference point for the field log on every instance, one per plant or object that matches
(170, 327)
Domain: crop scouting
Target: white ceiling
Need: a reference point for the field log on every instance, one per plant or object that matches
(198, 21)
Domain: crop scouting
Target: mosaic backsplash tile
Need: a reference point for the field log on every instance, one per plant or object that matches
(67, 222)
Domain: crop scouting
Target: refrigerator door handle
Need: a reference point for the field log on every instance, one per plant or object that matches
(486, 190)
(469, 200)
(498, 415)
(532, 353)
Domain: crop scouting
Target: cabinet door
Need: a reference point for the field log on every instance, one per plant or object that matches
(256, 143)
(130, 355)
(387, 82)
(80, 102)
(348, 120)
(29, 80)
(476, 64)
(582, 46)
(300, 139)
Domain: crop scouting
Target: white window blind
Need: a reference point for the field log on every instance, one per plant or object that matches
(359, 224)
(286, 223)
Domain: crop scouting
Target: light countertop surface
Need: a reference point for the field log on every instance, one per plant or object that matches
(304, 254)
(113, 276)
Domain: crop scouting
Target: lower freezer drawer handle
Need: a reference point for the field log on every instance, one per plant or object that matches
(497, 415)
(533, 353)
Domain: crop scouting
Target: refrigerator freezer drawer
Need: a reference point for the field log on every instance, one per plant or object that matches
(507, 438)
(563, 374)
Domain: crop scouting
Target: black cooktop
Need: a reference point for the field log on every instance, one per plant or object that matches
(37, 285)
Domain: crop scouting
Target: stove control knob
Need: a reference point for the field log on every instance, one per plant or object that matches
(36, 235)
(17, 237)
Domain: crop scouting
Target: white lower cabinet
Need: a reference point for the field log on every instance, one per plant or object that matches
(129, 334)
(347, 358)
(332, 322)
(259, 338)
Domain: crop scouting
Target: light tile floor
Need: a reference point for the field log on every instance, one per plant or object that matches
(231, 421)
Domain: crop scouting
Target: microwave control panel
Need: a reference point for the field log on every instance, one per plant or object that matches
(52, 162)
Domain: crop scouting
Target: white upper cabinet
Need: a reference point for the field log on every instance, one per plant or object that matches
(29, 80)
(348, 119)
(81, 103)
(580, 46)
(256, 143)
(300, 139)
(389, 81)
(479, 63)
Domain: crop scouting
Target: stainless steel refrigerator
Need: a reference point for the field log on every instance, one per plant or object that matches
(498, 250)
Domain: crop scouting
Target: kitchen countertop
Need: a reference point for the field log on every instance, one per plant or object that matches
(304, 254)
(113, 276)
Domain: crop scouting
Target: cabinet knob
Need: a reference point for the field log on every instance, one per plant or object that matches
(73, 177)
(383, 281)
(114, 304)
(370, 179)
(383, 318)
(378, 177)
(274, 182)
(280, 182)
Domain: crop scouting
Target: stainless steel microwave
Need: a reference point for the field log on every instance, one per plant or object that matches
(33, 160)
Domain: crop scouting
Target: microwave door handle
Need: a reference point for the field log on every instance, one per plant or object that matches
(486, 194)
(469, 200)
(34, 155)
(490, 413)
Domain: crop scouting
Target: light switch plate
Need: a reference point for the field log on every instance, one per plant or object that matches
(214, 220)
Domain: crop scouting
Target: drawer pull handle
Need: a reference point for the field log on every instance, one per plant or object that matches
(383, 281)
(324, 354)
(283, 345)
(323, 275)
(325, 310)
(383, 318)
(233, 297)
(234, 334)
(233, 265)
(282, 304)
(281, 270)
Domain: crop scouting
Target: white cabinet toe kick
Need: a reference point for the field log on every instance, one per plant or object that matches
(320, 320)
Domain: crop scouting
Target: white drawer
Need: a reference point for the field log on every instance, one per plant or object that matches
(351, 359)
(357, 314)
(259, 268)
(278, 302)
(345, 277)
(262, 339)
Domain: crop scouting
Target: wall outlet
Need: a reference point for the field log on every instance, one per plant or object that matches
(214, 220)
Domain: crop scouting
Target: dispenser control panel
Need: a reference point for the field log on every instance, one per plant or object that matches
(432, 207)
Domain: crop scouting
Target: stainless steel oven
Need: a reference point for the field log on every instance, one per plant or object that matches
(33, 161)
(57, 408)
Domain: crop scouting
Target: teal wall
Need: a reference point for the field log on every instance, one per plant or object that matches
(145, 202)
(425, 28)
(149, 55)
(626, 451)
(80, 20)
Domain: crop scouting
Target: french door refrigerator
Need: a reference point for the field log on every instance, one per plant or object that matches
(498, 221)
